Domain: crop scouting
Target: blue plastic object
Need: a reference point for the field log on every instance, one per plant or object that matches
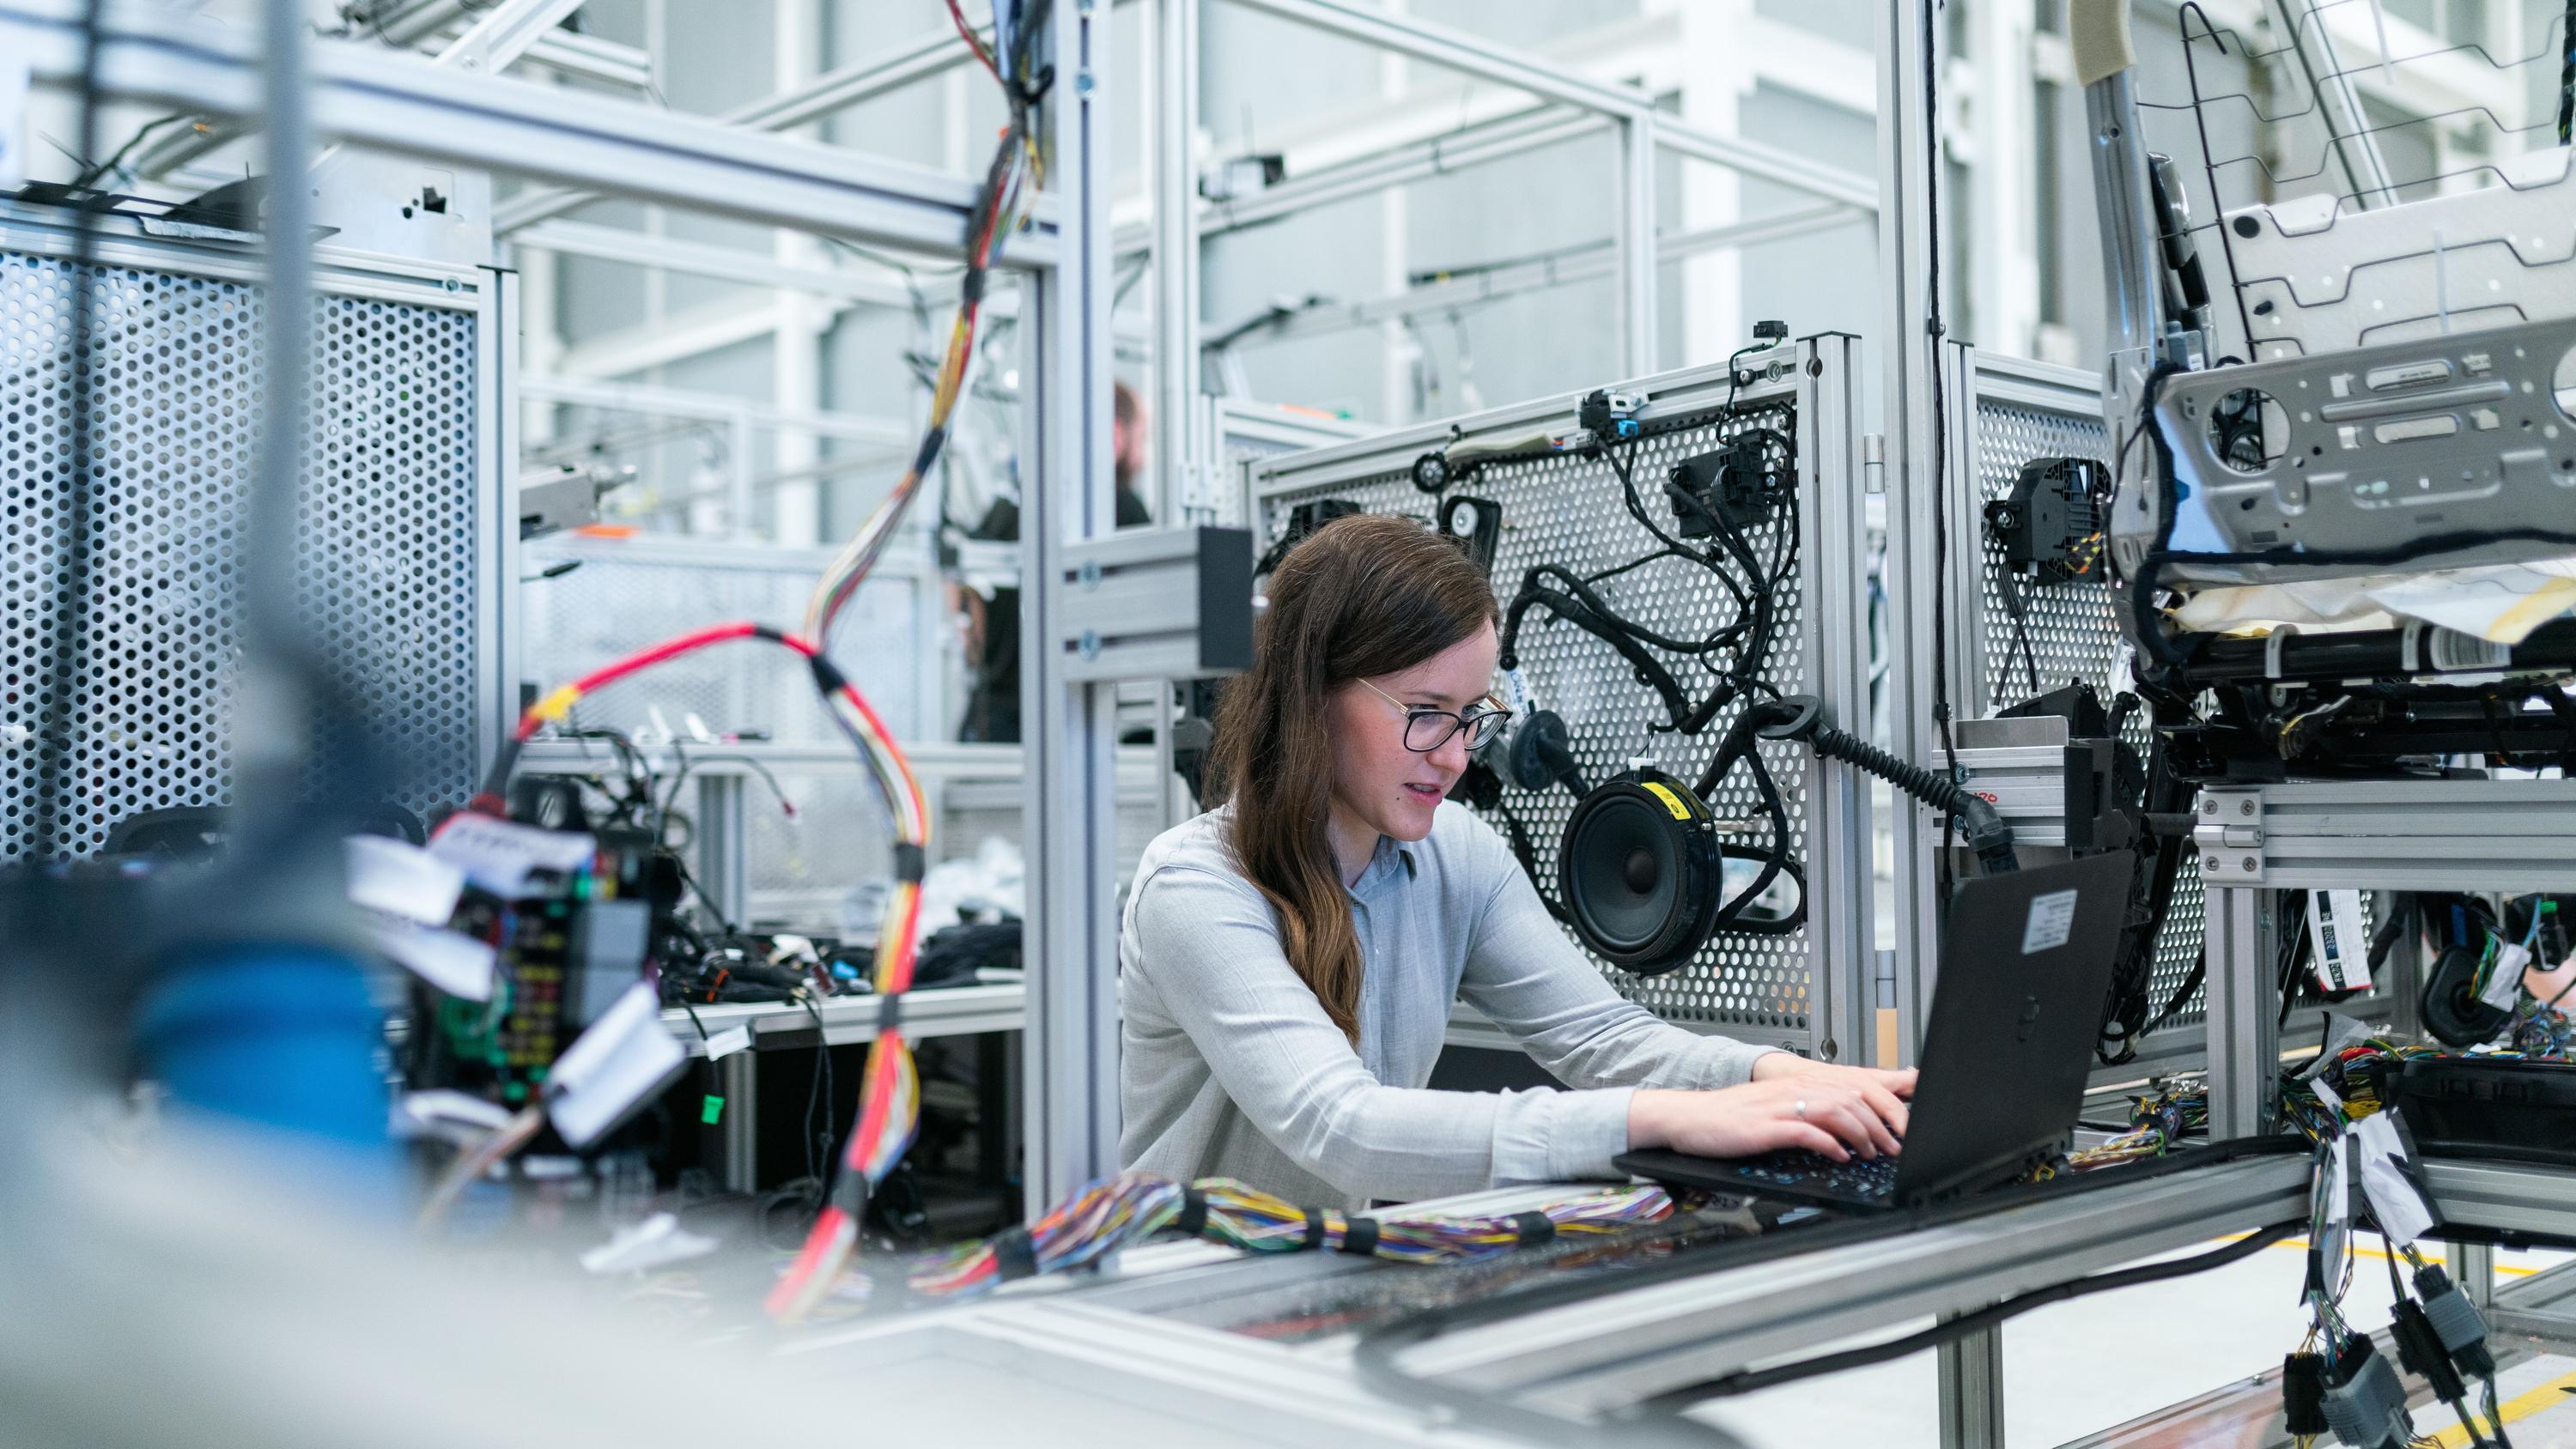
(281, 1037)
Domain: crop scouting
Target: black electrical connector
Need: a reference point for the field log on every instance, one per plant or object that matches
(1737, 483)
(2420, 1349)
(2050, 523)
(2455, 1321)
(1610, 417)
(2303, 1395)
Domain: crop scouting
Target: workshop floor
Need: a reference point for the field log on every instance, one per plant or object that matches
(2078, 1369)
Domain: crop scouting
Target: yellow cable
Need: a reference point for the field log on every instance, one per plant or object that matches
(2516, 1409)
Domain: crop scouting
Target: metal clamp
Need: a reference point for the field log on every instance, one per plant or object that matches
(2228, 830)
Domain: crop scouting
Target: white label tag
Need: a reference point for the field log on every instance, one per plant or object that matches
(401, 879)
(2399, 1209)
(2341, 1031)
(2052, 921)
(500, 855)
(2326, 1095)
(2329, 1247)
(416, 1113)
(725, 1043)
(2504, 978)
(2342, 945)
(625, 1056)
(458, 965)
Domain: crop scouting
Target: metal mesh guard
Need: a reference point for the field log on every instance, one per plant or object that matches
(388, 563)
(2072, 635)
(1565, 509)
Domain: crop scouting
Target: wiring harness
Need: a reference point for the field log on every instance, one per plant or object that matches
(1015, 172)
(889, 1095)
(1117, 1212)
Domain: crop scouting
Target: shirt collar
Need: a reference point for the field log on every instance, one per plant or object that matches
(1383, 864)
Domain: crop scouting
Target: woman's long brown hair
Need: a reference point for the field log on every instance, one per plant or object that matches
(1366, 595)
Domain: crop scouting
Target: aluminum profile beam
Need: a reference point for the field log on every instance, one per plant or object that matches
(1609, 1351)
(499, 35)
(1503, 65)
(1069, 727)
(918, 59)
(682, 403)
(1168, 604)
(2515, 836)
(1589, 264)
(731, 264)
(399, 104)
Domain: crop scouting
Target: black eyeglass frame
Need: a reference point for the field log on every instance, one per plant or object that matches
(1481, 726)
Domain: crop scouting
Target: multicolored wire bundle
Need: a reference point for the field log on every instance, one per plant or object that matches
(1116, 1212)
(889, 1096)
(1015, 173)
(2158, 1122)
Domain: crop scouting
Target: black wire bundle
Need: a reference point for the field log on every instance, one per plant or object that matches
(1743, 638)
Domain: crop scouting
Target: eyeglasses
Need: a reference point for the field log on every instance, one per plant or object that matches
(1426, 730)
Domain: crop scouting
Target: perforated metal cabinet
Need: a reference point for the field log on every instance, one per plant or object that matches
(404, 556)
(2000, 413)
(1809, 990)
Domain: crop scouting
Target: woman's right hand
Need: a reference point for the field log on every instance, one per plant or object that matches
(1838, 1118)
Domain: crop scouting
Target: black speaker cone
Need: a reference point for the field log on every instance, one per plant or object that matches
(1639, 871)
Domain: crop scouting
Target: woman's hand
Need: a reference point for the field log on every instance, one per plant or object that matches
(1791, 1102)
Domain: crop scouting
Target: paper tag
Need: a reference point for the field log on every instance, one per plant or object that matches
(2341, 1031)
(458, 965)
(2504, 979)
(2051, 922)
(2395, 1202)
(500, 855)
(418, 1112)
(401, 879)
(625, 1057)
(653, 1243)
(725, 1043)
(2327, 1248)
(2326, 1094)
(2342, 945)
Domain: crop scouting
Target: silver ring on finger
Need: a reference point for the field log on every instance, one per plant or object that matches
(1799, 1107)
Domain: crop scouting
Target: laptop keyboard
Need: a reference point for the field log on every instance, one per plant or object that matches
(1801, 1167)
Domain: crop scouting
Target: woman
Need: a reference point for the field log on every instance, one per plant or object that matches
(1289, 959)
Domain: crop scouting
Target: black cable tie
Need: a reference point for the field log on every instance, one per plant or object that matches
(889, 1013)
(1314, 1227)
(1014, 1255)
(909, 863)
(826, 674)
(1192, 1219)
(850, 1193)
(1535, 1228)
(1359, 1236)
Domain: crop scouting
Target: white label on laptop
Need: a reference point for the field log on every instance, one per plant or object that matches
(2051, 923)
(2342, 946)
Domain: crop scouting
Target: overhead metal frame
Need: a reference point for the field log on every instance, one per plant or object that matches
(402, 104)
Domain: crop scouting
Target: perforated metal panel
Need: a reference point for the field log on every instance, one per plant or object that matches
(1250, 432)
(627, 596)
(1566, 510)
(392, 561)
(2066, 629)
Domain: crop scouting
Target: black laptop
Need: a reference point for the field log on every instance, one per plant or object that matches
(2025, 968)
